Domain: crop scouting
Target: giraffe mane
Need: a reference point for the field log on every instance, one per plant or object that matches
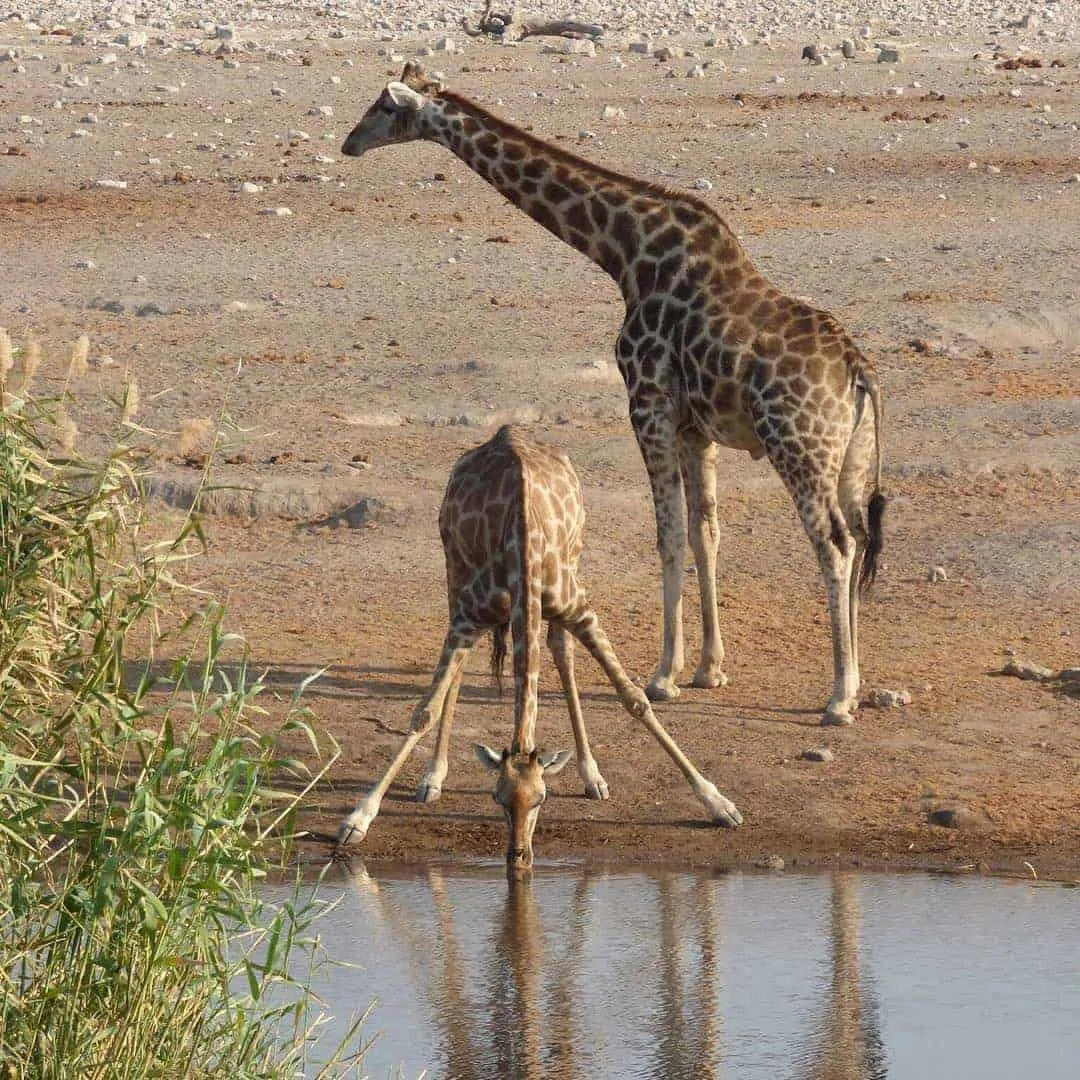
(506, 130)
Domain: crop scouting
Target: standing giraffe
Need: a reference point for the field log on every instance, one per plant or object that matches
(511, 523)
(712, 354)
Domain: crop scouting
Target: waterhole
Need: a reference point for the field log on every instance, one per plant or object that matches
(666, 975)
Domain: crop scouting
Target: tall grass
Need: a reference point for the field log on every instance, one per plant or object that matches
(137, 804)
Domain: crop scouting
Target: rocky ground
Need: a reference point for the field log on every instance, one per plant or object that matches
(171, 186)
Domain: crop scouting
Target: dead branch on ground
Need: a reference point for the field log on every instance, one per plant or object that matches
(512, 25)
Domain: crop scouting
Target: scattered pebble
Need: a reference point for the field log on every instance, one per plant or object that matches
(951, 817)
(887, 699)
(817, 753)
(276, 211)
(936, 574)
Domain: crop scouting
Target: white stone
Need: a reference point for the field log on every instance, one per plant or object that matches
(119, 185)
(612, 113)
(321, 110)
(701, 184)
(578, 47)
(248, 188)
(276, 211)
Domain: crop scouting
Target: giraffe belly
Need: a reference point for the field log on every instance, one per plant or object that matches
(722, 419)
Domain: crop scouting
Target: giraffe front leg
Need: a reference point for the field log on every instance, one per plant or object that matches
(655, 428)
(586, 628)
(562, 651)
(697, 457)
(431, 783)
(354, 828)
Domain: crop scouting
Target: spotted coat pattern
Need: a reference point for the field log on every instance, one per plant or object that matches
(512, 525)
(712, 355)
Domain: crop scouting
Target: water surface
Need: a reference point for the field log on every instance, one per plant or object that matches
(671, 975)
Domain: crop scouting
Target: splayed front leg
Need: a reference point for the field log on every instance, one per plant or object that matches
(562, 651)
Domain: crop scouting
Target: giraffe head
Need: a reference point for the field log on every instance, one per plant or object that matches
(520, 790)
(397, 114)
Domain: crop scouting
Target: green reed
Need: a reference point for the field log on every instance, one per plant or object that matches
(140, 807)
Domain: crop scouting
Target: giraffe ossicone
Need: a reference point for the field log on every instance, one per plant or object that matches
(712, 355)
(512, 526)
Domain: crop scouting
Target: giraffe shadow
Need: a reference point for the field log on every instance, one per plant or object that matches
(752, 713)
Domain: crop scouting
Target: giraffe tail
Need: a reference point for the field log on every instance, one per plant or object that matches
(500, 636)
(875, 510)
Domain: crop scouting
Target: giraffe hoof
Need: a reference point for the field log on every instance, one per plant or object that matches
(350, 832)
(722, 811)
(597, 790)
(428, 793)
(662, 690)
(829, 718)
(728, 820)
(709, 680)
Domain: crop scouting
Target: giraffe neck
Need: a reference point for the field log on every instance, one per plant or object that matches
(640, 233)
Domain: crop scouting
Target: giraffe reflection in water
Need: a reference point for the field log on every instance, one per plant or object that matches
(851, 1046)
(518, 996)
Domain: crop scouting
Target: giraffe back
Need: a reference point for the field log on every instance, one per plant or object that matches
(509, 502)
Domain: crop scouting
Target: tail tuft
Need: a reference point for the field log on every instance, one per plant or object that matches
(875, 541)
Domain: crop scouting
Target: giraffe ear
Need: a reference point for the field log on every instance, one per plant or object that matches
(405, 97)
(487, 757)
(553, 763)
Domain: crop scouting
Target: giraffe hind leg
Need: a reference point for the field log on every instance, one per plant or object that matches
(850, 490)
(812, 480)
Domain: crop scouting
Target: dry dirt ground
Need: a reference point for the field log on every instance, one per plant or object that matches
(351, 351)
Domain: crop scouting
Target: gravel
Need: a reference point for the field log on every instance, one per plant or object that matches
(725, 22)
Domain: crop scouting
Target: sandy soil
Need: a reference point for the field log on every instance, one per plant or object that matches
(352, 350)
